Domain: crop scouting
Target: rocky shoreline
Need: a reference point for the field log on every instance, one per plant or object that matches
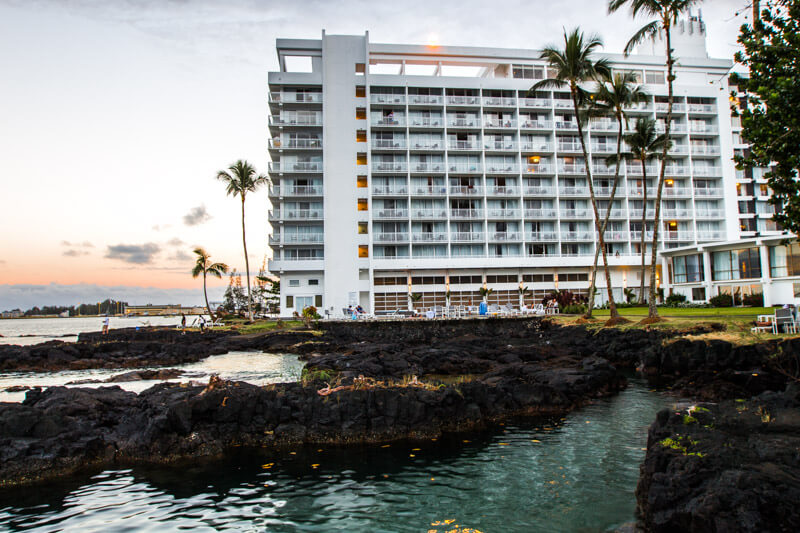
(375, 382)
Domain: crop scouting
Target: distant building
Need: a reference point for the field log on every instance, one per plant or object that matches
(16, 313)
(162, 310)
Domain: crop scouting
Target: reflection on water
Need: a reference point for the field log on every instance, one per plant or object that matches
(35, 330)
(573, 474)
(252, 367)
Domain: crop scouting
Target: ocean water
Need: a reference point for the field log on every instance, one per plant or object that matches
(576, 473)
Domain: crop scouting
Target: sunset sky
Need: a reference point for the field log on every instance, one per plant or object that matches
(117, 115)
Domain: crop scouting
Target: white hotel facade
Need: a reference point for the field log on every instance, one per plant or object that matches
(401, 169)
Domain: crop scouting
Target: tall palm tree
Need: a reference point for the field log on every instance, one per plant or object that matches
(614, 94)
(573, 66)
(666, 13)
(240, 179)
(644, 144)
(204, 266)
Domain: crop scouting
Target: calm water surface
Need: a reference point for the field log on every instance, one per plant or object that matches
(573, 474)
(35, 330)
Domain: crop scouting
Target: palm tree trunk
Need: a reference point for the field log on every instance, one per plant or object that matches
(205, 293)
(653, 310)
(644, 226)
(576, 107)
(246, 266)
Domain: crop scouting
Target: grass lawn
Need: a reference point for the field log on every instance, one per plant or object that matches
(259, 326)
(693, 312)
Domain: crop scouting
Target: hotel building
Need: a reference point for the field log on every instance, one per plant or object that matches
(432, 170)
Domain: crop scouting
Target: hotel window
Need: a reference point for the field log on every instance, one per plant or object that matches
(363, 250)
(313, 282)
(290, 301)
(361, 91)
(363, 228)
(363, 204)
(361, 113)
(527, 72)
(654, 77)
(637, 74)
(361, 68)
(294, 282)
(361, 182)
(318, 301)
(698, 293)
(736, 264)
(784, 260)
(361, 159)
(361, 136)
(688, 268)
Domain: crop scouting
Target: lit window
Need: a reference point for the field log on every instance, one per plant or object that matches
(363, 250)
(363, 228)
(363, 204)
(361, 136)
(361, 68)
(361, 182)
(361, 91)
(361, 113)
(361, 159)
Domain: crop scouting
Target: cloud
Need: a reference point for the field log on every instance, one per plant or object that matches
(175, 242)
(25, 296)
(84, 244)
(139, 254)
(161, 227)
(180, 255)
(196, 216)
(74, 253)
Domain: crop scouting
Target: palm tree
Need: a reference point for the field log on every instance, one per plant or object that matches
(206, 267)
(614, 95)
(574, 66)
(239, 181)
(644, 144)
(666, 13)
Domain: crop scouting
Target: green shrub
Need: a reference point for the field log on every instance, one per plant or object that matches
(721, 300)
(574, 309)
(753, 300)
(674, 300)
(311, 312)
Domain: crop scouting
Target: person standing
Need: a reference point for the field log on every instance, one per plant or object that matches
(105, 325)
(183, 323)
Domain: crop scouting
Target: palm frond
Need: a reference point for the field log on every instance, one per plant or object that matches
(649, 31)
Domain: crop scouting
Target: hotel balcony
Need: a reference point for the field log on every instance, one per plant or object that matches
(674, 129)
(705, 150)
(491, 123)
(465, 168)
(429, 190)
(671, 192)
(425, 99)
(296, 238)
(540, 213)
(295, 190)
(505, 236)
(642, 107)
(389, 190)
(604, 126)
(399, 99)
(702, 109)
(388, 122)
(614, 236)
(571, 169)
(676, 213)
(528, 146)
(539, 125)
(502, 190)
(575, 213)
(395, 166)
(568, 126)
(499, 101)
(562, 103)
(605, 170)
(573, 191)
(677, 170)
(539, 191)
(541, 236)
(606, 148)
(297, 214)
(712, 192)
(427, 236)
(709, 214)
(467, 236)
(425, 122)
(707, 171)
(295, 98)
(569, 147)
(710, 235)
(427, 168)
(388, 144)
(390, 237)
(679, 149)
(615, 213)
(538, 168)
(661, 107)
(466, 190)
(493, 168)
(536, 103)
(464, 146)
(636, 170)
(464, 100)
(295, 144)
(388, 214)
(636, 214)
(673, 236)
(464, 214)
(605, 191)
(503, 214)
(298, 166)
(500, 146)
(429, 214)
(463, 122)
(575, 236)
(636, 236)
(278, 120)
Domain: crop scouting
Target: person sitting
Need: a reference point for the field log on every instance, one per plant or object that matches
(359, 310)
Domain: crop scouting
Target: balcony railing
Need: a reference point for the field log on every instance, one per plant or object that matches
(429, 214)
(541, 236)
(702, 108)
(707, 171)
(604, 125)
(503, 213)
(501, 101)
(495, 168)
(463, 122)
(465, 168)
(502, 190)
(296, 144)
(387, 98)
(279, 120)
(300, 258)
(466, 213)
(295, 98)
(500, 145)
(573, 236)
(637, 236)
(606, 148)
(466, 190)
(615, 213)
(467, 236)
(603, 191)
(391, 213)
(676, 213)
(661, 107)
(391, 237)
(575, 213)
(676, 170)
(705, 150)
(425, 122)
(297, 238)
(540, 213)
(389, 144)
(431, 145)
(704, 128)
(489, 122)
(710, 192)
(604, 170)
(710, 235)
(675, 128)
(429, 190)
(464, 100)
(571, 168)
(679, 149)
(536, 124)
(565, 125)
(569, 147)
(302, 214)
(427, 236)
(463, 145)
(709, 214)
(424, 166)
(673, 192)
(537, 168)
(539, 103)
(573, 191)
(677, 235)
(389, 121)
(528, 146)
(425, 99)
(386, 166)
(636, 170)
(561, 103)
(615, 235)
(297, 190)
(297, 166)
(539, 191)
(389, 190)
(505, 236)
